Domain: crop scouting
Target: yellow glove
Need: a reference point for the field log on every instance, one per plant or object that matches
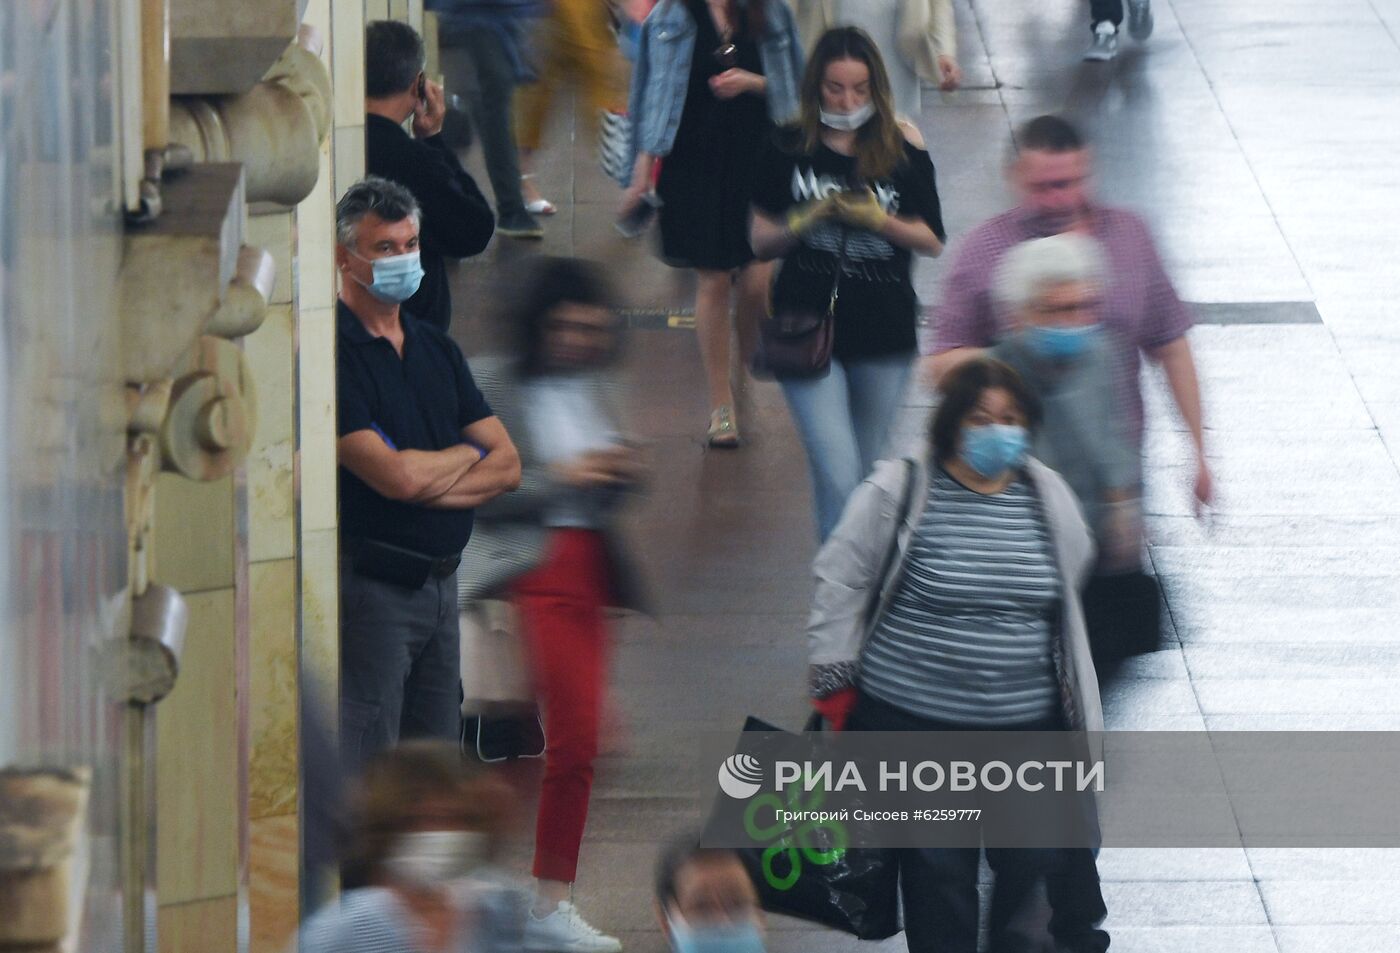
(861, 210)
(801, 219)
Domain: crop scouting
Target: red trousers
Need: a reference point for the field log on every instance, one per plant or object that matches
(560, 604)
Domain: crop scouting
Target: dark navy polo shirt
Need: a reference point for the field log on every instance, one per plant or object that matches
(418, 402)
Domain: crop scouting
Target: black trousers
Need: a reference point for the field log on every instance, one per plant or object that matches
(481, 69)
(938, 886)
(1110, 10)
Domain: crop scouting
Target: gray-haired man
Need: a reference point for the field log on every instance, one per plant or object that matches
(418, 449)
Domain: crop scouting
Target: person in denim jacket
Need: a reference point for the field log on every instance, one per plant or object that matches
(712, 79)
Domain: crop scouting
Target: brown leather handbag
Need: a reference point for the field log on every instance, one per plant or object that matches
(796, 342)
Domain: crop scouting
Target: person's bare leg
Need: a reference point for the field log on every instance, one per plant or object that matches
(535, 202)
(712, 329)
(549, 894)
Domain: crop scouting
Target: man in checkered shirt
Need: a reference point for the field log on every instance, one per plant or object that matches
(1140, 310)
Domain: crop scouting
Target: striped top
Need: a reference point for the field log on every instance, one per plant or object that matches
(967, 636)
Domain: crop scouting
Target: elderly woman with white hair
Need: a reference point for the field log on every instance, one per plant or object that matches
(1052, 286)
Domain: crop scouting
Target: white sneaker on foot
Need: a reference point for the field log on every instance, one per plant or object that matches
(1105, 45)
(566, 931)
(1139, 19)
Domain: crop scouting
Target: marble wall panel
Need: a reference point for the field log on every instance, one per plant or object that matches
(348, 18)
(187, 556)
(315, 238)
(320, 610)
(271, 497)
(272, 772)
(197, 769)
(349, 156)
(204, 926)
(318, 435)
(273, 884)
(273, 233)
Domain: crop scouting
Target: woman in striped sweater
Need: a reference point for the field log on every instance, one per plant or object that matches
(948, 600)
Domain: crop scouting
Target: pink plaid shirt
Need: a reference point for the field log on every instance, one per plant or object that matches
(1141, 309)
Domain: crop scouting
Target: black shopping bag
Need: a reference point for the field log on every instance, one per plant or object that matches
(812, 876)
(1123, 613)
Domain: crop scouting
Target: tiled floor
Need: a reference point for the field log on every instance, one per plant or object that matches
(1258, 137)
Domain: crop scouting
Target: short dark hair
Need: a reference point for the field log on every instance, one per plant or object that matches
(680, 854)
(394, 56)
(372, 196)
(539, 285)
(1049, 134)
(963, 387)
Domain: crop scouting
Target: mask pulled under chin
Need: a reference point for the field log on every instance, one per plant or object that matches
(729, 938)
(429, 859)
(848, 122)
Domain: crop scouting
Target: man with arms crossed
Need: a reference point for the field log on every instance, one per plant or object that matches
(418, 450)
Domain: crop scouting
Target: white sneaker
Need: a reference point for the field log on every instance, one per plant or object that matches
(566, 931)
(1105, 45)
(1139, 19)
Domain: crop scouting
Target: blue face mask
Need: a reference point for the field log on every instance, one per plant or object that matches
(729, 938)
(396, 278)
(1062, 344)
(993, 449)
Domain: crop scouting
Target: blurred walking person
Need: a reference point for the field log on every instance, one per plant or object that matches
(574, 44)
(554, 550)
(1052, 289)
(917, 39)
(706, 901)
(424, 830)
(847, 197)
(1106, 17)
(482, 48)
(1140, 309)
(974, 625)
(711, 80)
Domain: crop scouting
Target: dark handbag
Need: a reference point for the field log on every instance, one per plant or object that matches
(503, 733)
(796, 342)
(1123, 614)
(854, 890)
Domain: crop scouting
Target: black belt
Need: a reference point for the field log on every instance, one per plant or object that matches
(404, 567)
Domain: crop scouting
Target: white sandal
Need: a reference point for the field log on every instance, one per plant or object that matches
(539, 206)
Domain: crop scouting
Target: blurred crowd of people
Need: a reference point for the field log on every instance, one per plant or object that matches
(988, 579)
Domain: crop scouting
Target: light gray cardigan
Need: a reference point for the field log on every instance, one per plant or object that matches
(509, 535)
(848, 583)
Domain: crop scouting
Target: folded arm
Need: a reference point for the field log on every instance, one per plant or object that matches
(498, 472)
(408, 476)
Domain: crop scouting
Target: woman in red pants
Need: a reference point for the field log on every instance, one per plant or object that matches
(551, 547)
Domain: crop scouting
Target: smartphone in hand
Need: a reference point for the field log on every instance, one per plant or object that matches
(635, 222)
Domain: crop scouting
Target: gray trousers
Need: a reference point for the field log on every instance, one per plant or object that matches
(481, 71)
(399, 663)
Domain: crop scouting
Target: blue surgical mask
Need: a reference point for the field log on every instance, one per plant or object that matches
(396, 277)
(728, 938)
(1062, 344)
(993, 449)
